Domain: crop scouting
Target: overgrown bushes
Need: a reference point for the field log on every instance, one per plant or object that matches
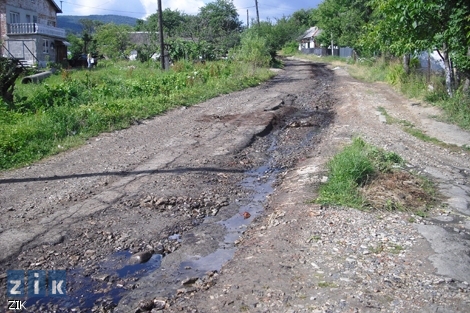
(253, 49)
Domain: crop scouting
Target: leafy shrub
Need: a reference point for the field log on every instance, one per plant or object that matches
(253, 49)
(395, 75)
(290, 48)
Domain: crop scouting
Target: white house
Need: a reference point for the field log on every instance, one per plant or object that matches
(29, 32)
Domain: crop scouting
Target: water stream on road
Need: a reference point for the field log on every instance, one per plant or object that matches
(114, 278)
(85, 291)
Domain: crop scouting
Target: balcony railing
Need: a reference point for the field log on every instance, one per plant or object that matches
(34, 28)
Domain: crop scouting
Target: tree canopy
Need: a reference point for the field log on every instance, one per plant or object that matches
(113, 40)
(401, 27)
(342, 20)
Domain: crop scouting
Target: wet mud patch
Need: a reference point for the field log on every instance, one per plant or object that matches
(167, 205)
(101, 290)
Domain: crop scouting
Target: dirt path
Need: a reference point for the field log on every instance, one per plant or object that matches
(180, 185)
(304, 258)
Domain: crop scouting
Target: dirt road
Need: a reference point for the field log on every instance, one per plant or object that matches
(230, 179)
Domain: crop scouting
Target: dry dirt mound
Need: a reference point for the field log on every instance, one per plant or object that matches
(400, 191)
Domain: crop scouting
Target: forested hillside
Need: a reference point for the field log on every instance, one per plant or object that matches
(71, 23)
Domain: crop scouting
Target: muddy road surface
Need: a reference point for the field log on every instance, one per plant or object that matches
(133, 213)
(208, 208)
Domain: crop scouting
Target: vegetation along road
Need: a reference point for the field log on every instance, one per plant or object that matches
(210, 208)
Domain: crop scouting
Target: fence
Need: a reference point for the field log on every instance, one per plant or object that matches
(34, 28)
(344, 52)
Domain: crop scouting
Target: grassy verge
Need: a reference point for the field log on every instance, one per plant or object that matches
(69, 107)
(415, 85)
(410, 129)
(362, 176)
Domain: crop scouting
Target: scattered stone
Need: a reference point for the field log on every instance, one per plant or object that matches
(141, 257)
(159, 304)
(101, 277)
(189, 281)
(146, 305)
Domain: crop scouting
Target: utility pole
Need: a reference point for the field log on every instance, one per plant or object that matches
(160, 30)
(247, 19)
(257, 11)
(332, 53)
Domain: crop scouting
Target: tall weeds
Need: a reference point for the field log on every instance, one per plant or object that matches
(69, 107)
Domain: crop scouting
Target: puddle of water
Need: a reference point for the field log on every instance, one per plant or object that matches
(260, 182)
(88, 292)
(84, 291)
(176, 237)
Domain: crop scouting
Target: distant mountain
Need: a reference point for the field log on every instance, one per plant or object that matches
(72, 25)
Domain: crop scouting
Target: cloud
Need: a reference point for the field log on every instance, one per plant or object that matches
(186, 6)
(88, 7)
(143, 8)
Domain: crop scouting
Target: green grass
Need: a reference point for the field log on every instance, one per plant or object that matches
(325, 284)
(414, 85)
(351, 168)
(67, 108)
(410, 129)
(396, 248)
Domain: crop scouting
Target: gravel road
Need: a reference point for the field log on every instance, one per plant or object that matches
(207, 209)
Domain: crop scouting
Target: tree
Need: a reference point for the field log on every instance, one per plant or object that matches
(77, 46)
(9, 72)
(140, 26)
(253, 49)
(302, 18)
(277, 34)
(402, 26)
(219, 24)
(172, 22)
(89, 28)
(342, 21)
(113, 40)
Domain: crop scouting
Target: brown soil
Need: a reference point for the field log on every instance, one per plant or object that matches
(399, 190)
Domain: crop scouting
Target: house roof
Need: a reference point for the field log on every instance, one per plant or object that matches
(56, 7)
(311, 32)
(141, 37)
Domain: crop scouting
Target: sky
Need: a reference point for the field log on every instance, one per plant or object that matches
(142, 8)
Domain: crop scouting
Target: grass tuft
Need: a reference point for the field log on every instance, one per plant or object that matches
(352, 168)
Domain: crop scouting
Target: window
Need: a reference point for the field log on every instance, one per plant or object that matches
(28, 18)
(45, 46)
(14, 17)
(35, 19)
